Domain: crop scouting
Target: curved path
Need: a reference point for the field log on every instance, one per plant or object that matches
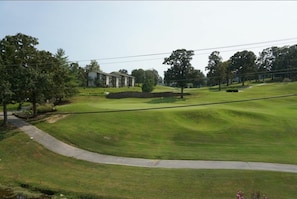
(64, 149)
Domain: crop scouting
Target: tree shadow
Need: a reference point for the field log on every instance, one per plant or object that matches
(165, 100)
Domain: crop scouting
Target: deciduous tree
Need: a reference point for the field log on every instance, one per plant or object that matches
(244, 64)
(217, 71)
(124, 71)
(139, 75)
(181, 68)
(17, 53)
(79, 74)
(93, 66)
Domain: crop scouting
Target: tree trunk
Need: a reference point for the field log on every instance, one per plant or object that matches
(220, 86)
(5, 119)
(34, 107)
(182, 92)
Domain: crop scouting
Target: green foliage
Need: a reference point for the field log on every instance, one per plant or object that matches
(244, 64)
(139, 75)
(181, 68)
(29, 73)
(93, 66)
(78, 73)
(124, 71)
(152, 75)
(217, 70)
(45, 108)
(148, 86)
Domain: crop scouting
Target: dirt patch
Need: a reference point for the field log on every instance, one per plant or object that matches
(55, 118)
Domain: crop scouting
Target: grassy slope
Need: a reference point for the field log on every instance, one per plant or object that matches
(24, 161)
(250, 131)
(30, 164)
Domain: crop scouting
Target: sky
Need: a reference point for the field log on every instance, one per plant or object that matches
(140, 34)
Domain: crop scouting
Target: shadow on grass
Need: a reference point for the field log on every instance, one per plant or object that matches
(166, 100)
(224, 88)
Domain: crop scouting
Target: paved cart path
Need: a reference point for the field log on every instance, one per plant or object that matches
(64, 149)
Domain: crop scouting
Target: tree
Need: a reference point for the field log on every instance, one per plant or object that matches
(197, 78)
(93, 66)
(266, 60)
(181, 68)
(64, 81)
(217, 70)
(17, 53)
(228, 71)
(153, 75)
(27, 73)
(244, 64)
(148, 85)
(124, 71)
(285, 62)
(139, 75)
(79, 74)
(5, 91)
(40, 79)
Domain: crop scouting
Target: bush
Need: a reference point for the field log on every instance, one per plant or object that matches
(147, 86)
(45, 108)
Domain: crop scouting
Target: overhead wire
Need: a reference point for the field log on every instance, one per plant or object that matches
(201, 51)
(196, 50)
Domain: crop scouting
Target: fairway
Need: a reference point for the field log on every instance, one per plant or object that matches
(257, 130)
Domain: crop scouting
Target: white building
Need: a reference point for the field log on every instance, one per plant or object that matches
(114, 79)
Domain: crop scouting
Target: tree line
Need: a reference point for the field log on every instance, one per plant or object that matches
(29, 74)
(276, 63)
(36, 76)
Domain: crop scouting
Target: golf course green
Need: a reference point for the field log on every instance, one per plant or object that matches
(256, 124)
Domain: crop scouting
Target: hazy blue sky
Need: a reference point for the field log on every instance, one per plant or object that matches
(106, 29)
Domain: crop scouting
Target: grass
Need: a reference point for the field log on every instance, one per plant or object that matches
(24, 163)
(262, 130)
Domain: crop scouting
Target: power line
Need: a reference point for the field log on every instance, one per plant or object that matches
(248, 44)
(196, 50)
(162, 58)
(167, 53)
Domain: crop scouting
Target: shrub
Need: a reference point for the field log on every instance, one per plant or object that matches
(147, 86)
(45, 108)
